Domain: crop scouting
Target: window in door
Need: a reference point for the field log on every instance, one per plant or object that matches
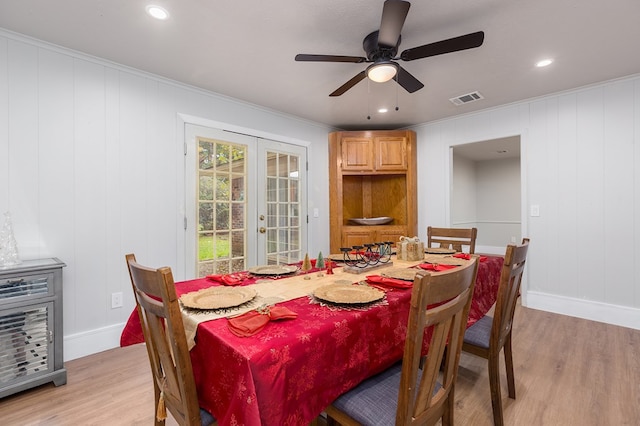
(222, 205)
(283, 225)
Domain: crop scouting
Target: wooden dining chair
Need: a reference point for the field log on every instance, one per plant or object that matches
(164, 334)
(487, 337)
(405, 394)
(454, 238)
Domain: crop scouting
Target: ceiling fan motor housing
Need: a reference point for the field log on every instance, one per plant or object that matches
(377, 52)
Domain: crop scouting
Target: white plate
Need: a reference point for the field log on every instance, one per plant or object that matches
(273, 270)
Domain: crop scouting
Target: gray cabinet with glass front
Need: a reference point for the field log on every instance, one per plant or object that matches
(31, 325)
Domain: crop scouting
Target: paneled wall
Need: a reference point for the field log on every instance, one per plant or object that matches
(581, 165)
(92, 168)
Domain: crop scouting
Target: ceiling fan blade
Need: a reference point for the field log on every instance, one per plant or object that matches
(349, 84)
(394, 12)
(407, 81)
(329, 58)
(455, 44)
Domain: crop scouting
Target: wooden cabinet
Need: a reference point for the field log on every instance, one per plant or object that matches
(31, 325)
(372, 174)
(368, 153)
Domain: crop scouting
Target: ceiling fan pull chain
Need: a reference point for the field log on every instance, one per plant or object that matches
(368, 99)
(397, 81)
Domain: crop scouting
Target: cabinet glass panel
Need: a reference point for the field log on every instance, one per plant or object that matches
(23, 286)
(25, 341)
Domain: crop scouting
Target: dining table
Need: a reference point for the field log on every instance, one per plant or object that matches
(289, 371)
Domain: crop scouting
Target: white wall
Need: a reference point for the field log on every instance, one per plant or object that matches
(581, 165)
(91, 168)
(498, 202)
(463, 193)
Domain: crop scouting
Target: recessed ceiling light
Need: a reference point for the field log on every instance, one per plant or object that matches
(382, 110)
(157, 12)
(544, 63)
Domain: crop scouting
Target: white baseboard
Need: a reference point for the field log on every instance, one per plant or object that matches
(92, 341)
(596, 311)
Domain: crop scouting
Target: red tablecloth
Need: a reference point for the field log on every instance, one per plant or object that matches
(289, 372)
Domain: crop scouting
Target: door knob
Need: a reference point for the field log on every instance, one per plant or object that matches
(262, 230)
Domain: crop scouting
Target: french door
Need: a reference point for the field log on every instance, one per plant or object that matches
(282, 213)
(245, 201)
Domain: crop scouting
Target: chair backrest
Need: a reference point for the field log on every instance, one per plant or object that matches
(508, 292)
(164, 334)
(454, 238)
(440, 301)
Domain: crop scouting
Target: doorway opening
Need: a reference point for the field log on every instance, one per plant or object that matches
(486, 191)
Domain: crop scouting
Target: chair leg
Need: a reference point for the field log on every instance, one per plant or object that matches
(508, 362)
(494, 385)
(331, 421)
(449, 406)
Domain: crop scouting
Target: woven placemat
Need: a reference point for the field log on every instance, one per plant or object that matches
(444, 259)
(348, 294)
(406, 274)
(217, 297)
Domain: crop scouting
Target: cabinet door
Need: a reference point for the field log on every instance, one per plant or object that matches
(26, 350)
(390, 153)
(357, 237)
(357, 153)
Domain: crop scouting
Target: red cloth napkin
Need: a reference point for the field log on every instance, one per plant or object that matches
(253, 322)
(467, 256)
(227, 279)
(389, 282)
(436, 267)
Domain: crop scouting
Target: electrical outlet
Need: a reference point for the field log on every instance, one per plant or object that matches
(513, 239)
(535, 210)
(116, 300)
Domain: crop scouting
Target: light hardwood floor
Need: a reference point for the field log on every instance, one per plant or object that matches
(568, 371)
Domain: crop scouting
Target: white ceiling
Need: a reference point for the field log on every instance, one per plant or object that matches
(494, 149)
(246, 49)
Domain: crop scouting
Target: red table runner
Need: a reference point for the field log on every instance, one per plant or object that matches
(290, 371)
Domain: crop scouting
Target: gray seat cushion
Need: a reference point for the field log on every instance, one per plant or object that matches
(206, 418)
(480, 332)
(374, 402)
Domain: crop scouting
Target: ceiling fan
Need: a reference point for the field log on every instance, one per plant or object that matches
(381, 48)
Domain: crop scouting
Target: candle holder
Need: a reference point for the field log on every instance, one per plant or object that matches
(367, 255)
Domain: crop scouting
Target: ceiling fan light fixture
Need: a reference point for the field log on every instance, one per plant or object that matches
(544, 63)
(381, 72)
(157, 12)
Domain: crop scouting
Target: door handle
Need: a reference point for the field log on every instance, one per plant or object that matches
(262, 229)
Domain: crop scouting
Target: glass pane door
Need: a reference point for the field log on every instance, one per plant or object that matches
(245, 202)
(282, 214)
(221, 213)
(220, 204)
